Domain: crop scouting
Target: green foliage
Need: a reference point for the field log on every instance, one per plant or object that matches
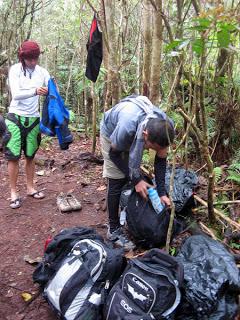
(223, 37)
(177, 119)
(172, 251)
(198, 45)
(72, 116)
(234, 173)
(235, 245)
(236, 157)
(221, 197)
(217, 173)
(46, 142)
(146, 157)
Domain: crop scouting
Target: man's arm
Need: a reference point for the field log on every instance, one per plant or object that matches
(160, 172)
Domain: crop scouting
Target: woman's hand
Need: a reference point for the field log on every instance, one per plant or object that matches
(42, 91)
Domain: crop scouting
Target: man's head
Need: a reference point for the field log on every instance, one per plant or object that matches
(29, 53)
(158, 134)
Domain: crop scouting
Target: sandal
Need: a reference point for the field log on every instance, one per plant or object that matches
(37, 195)
(15, 204)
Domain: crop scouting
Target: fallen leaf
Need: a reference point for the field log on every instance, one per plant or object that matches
(26, 296)
(32, 260)
(9, 294)
(101, 188)
(40, 173)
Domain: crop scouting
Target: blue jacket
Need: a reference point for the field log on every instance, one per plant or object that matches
(55, 117)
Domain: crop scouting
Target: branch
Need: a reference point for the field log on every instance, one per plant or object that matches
(207, 230)
(196, 6)
(91, 6)
(220, 214)
(2, 62)
(195, 128)
(167, 25)
(153, 4)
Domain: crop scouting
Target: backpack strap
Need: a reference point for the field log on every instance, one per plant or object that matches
(24, 130)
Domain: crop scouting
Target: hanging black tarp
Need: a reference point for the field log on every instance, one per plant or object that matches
(95, 52)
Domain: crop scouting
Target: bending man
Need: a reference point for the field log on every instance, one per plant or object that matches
(127, 129)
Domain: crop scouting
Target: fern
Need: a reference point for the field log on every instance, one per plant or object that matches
(235, 166)
(236, 155)
(234, 172)
(217, 173)
(234, 176)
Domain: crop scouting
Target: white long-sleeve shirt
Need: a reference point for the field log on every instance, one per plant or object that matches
(23, 89)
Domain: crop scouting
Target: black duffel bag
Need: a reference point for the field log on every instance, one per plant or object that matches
(148, 228)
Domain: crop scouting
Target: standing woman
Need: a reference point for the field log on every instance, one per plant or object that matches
(27, 81)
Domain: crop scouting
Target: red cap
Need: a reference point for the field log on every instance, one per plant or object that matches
(29, 50)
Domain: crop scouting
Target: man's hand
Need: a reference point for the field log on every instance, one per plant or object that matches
(141, 187)
(42, 91)
(165, 200)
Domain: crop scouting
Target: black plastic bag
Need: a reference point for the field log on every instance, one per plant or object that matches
(211, 280)
(148, 228)
(184, 183)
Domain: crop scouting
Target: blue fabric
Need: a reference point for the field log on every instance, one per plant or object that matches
(56, 108)
(55, 117)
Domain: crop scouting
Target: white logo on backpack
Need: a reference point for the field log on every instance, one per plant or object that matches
(126, 307)
(140, 283)
(135, 294)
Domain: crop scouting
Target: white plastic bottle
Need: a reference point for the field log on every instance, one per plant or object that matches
(158, 206)
(122, 218)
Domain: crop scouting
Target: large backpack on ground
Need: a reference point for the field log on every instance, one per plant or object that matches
(148, 289)
(148, 228)
(58, 248)
(82, 278)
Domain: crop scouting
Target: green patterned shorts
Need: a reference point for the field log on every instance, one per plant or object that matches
(23, 133)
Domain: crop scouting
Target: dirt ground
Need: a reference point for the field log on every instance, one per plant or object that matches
(24, 230)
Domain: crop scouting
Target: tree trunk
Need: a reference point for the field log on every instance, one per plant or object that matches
(205, 147)
(94, 118)
(110, 10)
(156, 54)
(147, 46)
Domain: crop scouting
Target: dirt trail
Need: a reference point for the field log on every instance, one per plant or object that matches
(24, 231)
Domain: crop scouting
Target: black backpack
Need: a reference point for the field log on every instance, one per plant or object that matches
(148, 289)
(58, 249)
(148, 228)
(81, 269)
